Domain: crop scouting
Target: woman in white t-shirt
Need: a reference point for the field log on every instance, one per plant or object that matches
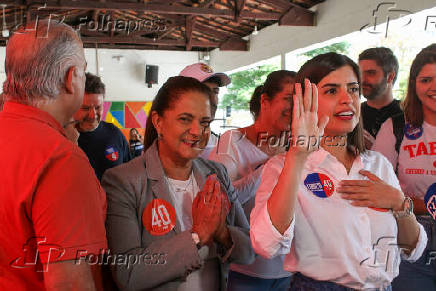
(244, 151)
(336, 211)
(415, 162)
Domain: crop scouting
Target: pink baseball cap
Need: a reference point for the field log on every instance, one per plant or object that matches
(202, 72)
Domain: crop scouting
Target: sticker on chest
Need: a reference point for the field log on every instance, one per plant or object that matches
(111, 153)
(412, 132)
(320, 185)
(430, 200)
(159, 217)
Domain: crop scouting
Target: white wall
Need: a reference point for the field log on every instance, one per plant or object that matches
(125, 79)
(334, 18)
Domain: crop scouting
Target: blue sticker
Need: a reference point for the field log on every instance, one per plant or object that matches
(111, 154)
(430, 200)
(320, 185)
(413, 132)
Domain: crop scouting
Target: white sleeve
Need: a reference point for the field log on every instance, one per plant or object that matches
(420, 246)
(246, 186)
(226, 153)
(385, 142)
(265, 238)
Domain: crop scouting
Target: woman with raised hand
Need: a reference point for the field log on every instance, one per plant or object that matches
(303, 206)
(409, 142)
(175, 218)
(243, 152)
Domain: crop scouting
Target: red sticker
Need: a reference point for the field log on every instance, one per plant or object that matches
(159, 217)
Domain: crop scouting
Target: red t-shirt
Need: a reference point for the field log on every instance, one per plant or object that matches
(51, 204)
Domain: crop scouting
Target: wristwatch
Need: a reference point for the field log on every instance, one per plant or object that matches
(407, 208)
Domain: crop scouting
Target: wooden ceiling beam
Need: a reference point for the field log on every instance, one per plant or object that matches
(234, 44)
(298, 16)
(260, 16)
(148, 41)
(239, 6)
(210, 31)
(189, 28)
(152, 8)
(279, 4)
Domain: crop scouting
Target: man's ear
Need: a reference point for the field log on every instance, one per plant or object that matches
(156, 119)
(71, 73)
(391, 77)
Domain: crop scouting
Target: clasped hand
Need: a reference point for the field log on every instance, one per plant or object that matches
(209, 211)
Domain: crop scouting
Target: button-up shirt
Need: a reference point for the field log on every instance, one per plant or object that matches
(328, 238)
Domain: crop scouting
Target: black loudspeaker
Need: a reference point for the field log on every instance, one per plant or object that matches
(151, 73)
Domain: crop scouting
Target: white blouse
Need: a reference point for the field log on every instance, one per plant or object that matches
(329, 239)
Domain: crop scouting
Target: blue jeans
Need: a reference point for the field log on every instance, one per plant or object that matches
(420, 275)
(303, 283)
(241, 282)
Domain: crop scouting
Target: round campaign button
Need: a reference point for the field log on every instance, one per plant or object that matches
(430, 200)
(159, 217)
(111, 153)
(319, 184)
(412, 132)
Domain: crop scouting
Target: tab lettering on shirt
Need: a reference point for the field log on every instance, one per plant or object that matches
(432, 148)
(421, 149)
(430, 200)
(320, 185)
(159, 217)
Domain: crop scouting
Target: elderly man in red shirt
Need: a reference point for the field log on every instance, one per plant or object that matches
(52, 207)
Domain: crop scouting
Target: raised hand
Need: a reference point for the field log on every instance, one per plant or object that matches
(306, 128)
(206, 210)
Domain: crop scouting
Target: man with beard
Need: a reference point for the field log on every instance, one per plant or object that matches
(379, 70)
(103, 143)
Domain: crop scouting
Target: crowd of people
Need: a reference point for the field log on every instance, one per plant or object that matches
(321, 192)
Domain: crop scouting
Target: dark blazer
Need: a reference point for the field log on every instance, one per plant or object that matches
(130, 187)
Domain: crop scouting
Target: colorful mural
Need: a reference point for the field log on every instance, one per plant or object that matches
(127, 115)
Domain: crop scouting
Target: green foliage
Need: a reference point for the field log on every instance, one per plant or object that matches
(339, 47)
(243, 85)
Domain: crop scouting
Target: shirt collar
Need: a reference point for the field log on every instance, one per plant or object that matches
(34, 113)
(322, 159)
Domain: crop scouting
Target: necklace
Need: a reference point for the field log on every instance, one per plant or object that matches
(177, 189)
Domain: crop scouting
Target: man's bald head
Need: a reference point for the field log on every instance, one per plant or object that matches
(38, 58)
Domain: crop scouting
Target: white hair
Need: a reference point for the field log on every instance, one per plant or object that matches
(37, 61)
